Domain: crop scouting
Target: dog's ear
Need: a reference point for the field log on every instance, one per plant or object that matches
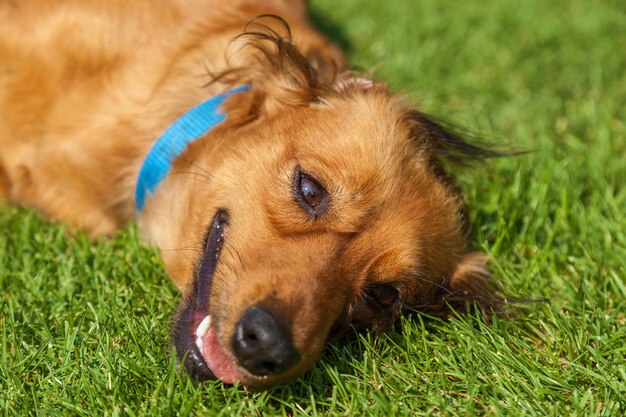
(244, 108)
(471, 285)
(443, 140)
(284, 75)
(468, 285)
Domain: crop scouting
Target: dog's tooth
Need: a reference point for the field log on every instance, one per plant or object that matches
(204, 326)
(201, 331)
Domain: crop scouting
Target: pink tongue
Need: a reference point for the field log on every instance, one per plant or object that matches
(220, 363)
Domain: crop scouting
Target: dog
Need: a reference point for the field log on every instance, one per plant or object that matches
(291, 199)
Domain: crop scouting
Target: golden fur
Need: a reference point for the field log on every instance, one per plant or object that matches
(86, 87)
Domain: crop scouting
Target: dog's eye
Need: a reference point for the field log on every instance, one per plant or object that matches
(384, 294)
(311, 192)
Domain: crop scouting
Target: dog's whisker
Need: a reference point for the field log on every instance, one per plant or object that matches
(441, 286)
(226, 261)
(195, 165)
(202, 171)
(198, 174)
(182, 249)
(183, 270)
(372, 183)
(231, 249)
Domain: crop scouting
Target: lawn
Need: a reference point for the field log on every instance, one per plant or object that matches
(84, 326)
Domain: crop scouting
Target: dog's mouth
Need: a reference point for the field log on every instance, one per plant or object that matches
(195, 335)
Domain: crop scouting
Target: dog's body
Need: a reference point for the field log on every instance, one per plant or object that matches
(336, 208)
(87, 86)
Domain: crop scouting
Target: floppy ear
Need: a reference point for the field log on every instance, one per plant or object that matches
(471, 284)
(283, 75)
(443, 142)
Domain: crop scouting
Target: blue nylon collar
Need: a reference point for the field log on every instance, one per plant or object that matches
(186, 129)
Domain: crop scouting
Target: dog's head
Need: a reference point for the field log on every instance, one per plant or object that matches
(320, 204)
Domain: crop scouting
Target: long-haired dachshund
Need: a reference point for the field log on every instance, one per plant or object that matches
(290, 198)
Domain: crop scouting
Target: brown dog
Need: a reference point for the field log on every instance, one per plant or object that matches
(318, 203)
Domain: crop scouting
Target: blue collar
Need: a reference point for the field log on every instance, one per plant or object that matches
(187, 128)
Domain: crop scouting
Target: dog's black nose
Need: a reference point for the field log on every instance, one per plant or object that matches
(262, 343)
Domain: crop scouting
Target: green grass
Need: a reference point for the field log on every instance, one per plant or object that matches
(85, 326)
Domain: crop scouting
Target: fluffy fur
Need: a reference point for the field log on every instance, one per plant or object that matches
(86, 87)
